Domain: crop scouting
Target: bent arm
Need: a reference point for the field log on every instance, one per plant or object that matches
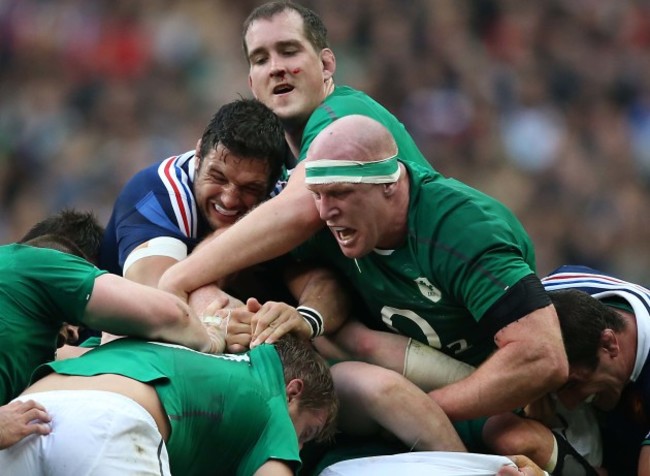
(320, 289)
(149, 270)
(120, 306)
(270, 230)
(530, 361)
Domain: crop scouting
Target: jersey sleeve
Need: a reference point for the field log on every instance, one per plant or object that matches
(479, 250)
(339, 104)
(58, 285)
(148, 208)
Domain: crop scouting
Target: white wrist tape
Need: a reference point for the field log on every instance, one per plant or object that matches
(161, 246)
(313, 318)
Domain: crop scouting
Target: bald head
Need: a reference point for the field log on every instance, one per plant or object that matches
(353, 137)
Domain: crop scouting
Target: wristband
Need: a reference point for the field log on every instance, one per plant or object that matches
(313, 318)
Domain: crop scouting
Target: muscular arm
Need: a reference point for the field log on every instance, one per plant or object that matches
(120, 306)
(529, 362)
(149, 270)
(270, 230)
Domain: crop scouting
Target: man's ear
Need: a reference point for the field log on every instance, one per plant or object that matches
(329, 63)
(609, 342)
(250, 86)
(294, 389)
(197, 155)
(389, 189)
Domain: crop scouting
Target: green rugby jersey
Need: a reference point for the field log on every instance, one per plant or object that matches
(40, 289)
(463, 251)
(228, 412)
(346, 101)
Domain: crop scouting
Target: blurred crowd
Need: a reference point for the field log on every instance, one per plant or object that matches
(545, 105)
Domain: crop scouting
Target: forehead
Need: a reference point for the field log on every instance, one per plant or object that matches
(221, 158)
(338, 187)
(286, 26)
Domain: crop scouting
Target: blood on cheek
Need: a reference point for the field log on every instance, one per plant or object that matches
(295, 71)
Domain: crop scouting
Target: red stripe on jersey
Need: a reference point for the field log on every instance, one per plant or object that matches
(178, 195)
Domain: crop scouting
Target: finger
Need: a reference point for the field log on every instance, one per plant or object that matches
(29, 404)
(236, 349)
(241, 315)
(243, 340)
(265, 317)
(235, 327)
(216, 305)
(272, 333)
(38, 429)
(253, 305)
(37, 415)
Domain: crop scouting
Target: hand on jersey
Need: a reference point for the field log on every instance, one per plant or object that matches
(273, 319)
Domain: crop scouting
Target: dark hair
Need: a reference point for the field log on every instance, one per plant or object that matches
(313, 27)
(301, 361)
(583, 318)
(249, 129)
(56, 242)
(80, 228)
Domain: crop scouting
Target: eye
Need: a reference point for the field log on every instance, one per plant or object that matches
(220, 179)
(254, 191)
(258, 59)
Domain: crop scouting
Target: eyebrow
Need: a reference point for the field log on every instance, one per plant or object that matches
(278, 44)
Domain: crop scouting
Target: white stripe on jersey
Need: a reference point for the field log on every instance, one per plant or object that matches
(177, 183)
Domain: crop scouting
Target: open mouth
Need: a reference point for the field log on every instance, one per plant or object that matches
(343, 235)
(282, 89)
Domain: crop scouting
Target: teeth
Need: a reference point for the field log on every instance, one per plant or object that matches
(223, 211)
(342, 232)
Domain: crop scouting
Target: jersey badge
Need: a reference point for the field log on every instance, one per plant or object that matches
(428, 290)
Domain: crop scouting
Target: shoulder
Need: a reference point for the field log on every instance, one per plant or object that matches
(175, 171)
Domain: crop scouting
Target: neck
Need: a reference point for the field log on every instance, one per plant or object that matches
(293, 137)
(293, 130)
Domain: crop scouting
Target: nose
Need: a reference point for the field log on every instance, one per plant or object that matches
(230, 196)
(326, 209)
(277, 66)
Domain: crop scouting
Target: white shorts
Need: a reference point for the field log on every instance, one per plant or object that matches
(420, 463)
(93, 433)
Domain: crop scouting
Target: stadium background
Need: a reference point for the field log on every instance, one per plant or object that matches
(545, 105)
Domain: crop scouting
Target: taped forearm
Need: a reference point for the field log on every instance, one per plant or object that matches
(429, 368)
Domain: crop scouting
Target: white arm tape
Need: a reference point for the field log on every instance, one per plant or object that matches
(429, 368)
(161, 246)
